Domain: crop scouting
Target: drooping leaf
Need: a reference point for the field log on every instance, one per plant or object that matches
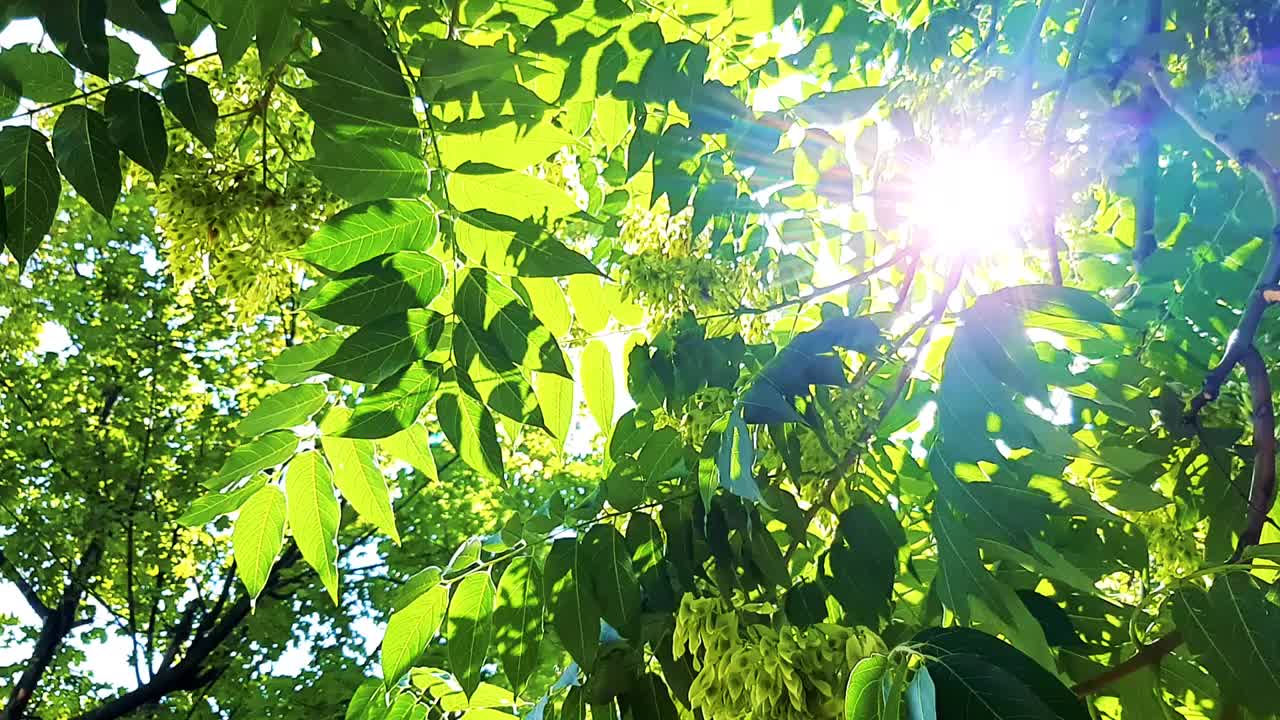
(124, 59)
(470, 629)
(410, 631)
(78, 28)
(267, 451)
(144, 17)
(314, 515)
(612, 579)
(87, 156)
(968, 686)
(361, 171)
(596, 376)
(470, 429)
(518, 620)
(358, 477)
(382, 348)
(556, 398)
(574, 612)
(288, 408)
(393, 405)
(27, 167)
(922, 703)
(833, 109)
(366, 231)
(207, 507)
(236, 22)
(275, 33)
(137, 125)
(521, 196)
(189, 99)
(415, 587)
(377, 287)
(258, 536)
(736, 459)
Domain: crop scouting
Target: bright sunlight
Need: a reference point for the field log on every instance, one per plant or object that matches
(972, 199)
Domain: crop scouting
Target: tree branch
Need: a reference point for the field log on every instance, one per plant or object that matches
(1262, 493)
(29, 593)
(1149, 655)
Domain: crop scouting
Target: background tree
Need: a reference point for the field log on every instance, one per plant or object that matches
(906, 334)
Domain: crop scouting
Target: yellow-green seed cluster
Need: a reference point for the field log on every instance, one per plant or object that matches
(755, 672)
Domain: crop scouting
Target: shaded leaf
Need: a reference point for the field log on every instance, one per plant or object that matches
(78, 28)
(470, 629)
(137, 125)
(87, 156)
(382, 348)
(358, 477)
(378, 287)
(518, 620)
(28, 168)
(189, 100)
(394, 404)
(470, 429)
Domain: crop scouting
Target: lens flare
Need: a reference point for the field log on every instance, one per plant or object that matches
(971, 200)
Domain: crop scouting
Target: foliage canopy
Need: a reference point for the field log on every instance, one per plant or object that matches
(639, 359)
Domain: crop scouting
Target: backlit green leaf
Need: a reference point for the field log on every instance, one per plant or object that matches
(265, 452)
(377, 351)
(366, 231)
(207, 507)
(518, 620)
(377, 287)
(288, 408)
(258, 536)
(358, 477)
(612, 581)
(470, 429)
(470, 629)
(314, 515)
(394, 404)
(597, 384)
(409, 632)
(412, 445)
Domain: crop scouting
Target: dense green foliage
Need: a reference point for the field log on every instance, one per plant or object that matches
(639, 359)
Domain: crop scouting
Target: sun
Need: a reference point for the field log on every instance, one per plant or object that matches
(971, 199)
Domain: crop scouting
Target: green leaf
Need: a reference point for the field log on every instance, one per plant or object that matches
(598, 389)
(265, 452)
(207, 507)
(736, 459)
(493, 311)
(144, 17)
(378, 287)
(137, 124)
(863, 699)
(45, 77)
(612, 579)
(1032, 679)
(189, 100)
(864, 562)
(506, 391)
(549, 303)
(984, 690)
(124, 59)
(359, 479)
(32, 189)
(834, 109)
(470, 629)
(258, 537)
(368, 697)
(574, 612)
(87, 156)
(518, 620)
(276, 30)
(78, 28)
(591, 306)
(521, 196)
(556, 398)
(511, 145)
(508, 246)
(1224, 628)
(470, 429)
(377, 351)
(412, 445)
(361, 171)
(394, 404)
(299, 362)
(415, 587)
(236, 24)
(410, 631)
(661, 453)
(922, 703)
(364, 232)
(286, 409)
(314, 515)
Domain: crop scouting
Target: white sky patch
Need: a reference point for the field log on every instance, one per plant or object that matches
(54, 338)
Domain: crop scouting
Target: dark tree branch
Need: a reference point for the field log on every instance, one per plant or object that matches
(993, 30)
(1262, 493)
(29, 593)
(1147, 656)
(57, 625)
